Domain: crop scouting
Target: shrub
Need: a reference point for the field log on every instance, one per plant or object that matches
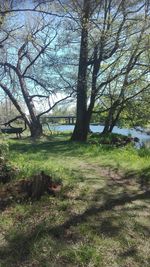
(6, 170)
(4, 150)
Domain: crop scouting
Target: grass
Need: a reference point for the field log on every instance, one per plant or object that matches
(100, 218)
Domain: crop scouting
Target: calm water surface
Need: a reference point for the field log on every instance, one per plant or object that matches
(143, 137)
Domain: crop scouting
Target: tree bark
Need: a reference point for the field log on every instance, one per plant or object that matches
(35, 128)
(82, 126)
(34, 122)
(112, 119)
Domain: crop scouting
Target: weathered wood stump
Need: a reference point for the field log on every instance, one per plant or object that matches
(38, 185)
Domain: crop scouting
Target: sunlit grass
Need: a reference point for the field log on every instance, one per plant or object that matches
(61, 156)
(80, 226)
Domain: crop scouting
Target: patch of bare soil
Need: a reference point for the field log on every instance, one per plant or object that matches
(100, 171)
(32, 188)
(114, 176)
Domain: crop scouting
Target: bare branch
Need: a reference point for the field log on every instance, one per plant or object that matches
(56, 103)
(38, 95)
(38, 82)
(14, 101)
(39, 54)
(10, 121)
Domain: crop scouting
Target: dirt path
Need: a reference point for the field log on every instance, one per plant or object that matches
(91, 170)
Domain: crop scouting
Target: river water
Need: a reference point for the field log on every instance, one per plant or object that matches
(143, 137)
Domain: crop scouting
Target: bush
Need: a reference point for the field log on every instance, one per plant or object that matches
(111, 139)
(6, 170)
(4, 150)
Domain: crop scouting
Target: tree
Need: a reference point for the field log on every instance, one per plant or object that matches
(129, 88)
(82, 125)
(136, 112)
(109, 33)
(20, 73)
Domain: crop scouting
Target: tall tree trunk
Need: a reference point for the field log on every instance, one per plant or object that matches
(95, 71)
(82, 126)
(34, 123)
(112, 119)
(106, 127)
(115, 120)
(35, 128)
(108, 122)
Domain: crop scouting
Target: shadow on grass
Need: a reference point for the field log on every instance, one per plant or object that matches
(106, 227)
(132, 251)
(58, 146)
(20, 246)
(52, 147)
(142, 177)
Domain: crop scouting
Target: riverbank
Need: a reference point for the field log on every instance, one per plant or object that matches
(143, 136)
(142, 130)
(100, 217)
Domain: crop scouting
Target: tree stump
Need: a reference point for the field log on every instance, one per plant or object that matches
(40, 185)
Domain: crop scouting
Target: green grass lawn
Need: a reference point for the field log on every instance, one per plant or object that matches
(100, 218)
